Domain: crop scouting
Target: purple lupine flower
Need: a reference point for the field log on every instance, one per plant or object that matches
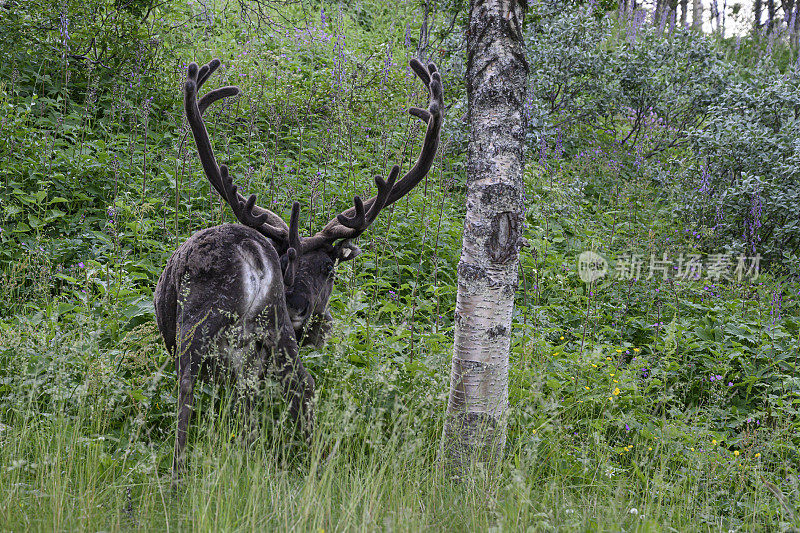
(663, 22)
(704, 182)
(387, 62)
(559, 145)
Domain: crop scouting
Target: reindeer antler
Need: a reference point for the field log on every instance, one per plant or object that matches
(353, 222)
(347, 225)
(246, 211)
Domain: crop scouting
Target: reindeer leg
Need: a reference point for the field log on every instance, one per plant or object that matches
(186, 379)
(297, 382)
(192, 344)
(242, 410)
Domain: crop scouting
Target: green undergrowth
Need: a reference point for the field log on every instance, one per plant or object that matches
(660, 403)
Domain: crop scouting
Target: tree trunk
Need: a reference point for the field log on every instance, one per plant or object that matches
(697, 14)
(770, 14)
(684, 9)
(757, 14)
(497, 71)
(724, 11)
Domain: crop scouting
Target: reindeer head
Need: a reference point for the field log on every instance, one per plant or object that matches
(307, 298)
(308, 263)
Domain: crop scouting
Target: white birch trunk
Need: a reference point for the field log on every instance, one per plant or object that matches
(697, 14)
(487, 271)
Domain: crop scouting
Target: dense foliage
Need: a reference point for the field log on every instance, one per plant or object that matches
(637, 401)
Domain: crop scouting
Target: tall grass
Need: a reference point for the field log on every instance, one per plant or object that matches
(67, 464)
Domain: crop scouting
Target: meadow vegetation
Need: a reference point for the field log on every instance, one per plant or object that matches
(637, 403)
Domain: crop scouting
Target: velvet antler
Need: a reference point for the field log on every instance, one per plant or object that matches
(353, 222)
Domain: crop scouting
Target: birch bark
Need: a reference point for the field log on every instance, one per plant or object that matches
(697, 14)
(497, 71)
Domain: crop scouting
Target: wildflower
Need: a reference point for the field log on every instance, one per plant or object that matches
(714, 442)
(736, 453)
(587, 388)
(650, 448)
(80, 265)
(608, 359)
(634, 511)
(594, 365)
(758, 455)
(691, 449)
(561, 338)
(619, 351)
(616, 391)
(637, 350)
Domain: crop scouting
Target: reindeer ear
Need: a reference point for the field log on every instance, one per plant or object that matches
(345, 251)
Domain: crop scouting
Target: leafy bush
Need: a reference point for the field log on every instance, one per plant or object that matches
(640, 84)
(747, 182)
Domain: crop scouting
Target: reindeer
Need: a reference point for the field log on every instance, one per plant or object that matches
(236, 299)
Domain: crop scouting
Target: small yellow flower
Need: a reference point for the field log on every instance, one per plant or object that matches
(636, 350)
(612, 375)
(616, 381)
(619, 351)
(533, 431)
(692, 449)
(610, 397)
(758, 455)
(561, 338)
(616, 391)
(650, 448)
(594, 365)
(736, 453)
(714, 442)
(585, 387)
(608, 359)
(555, 354)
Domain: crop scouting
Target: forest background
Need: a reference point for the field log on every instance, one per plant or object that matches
(644, 400)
